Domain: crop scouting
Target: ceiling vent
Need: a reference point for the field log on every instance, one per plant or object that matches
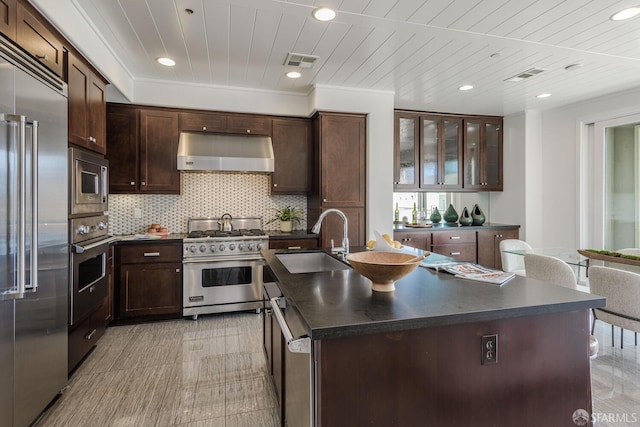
(525, 75)
(300, 60)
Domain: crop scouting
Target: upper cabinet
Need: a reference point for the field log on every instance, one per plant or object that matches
(427, 152)
(87, 107)
(34, 37)
(293, 154)
(483, 154)
(443, 152)
(141, 148)
(8, 18)
(225, 123)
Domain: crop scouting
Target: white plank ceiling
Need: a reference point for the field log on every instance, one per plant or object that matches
(422, 50)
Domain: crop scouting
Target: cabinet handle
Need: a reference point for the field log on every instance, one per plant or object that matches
(204, 128)
(275, 185)
(294, 247)
(455, 237)
(90, 334)
(42, 57)
(324, 200)
(177, 270)
(152, 254)
(143, 183)
(248, 130)
(454, 253)
(133, 183)
(406, 239)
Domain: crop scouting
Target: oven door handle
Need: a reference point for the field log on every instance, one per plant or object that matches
(78, 249)
(220, 259)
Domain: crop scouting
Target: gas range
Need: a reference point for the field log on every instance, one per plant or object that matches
(204, 241)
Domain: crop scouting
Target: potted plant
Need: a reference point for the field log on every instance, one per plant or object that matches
(287, 216)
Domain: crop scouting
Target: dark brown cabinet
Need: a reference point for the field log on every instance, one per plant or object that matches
(33, 36)
(339, 176)
(142, 145)
(293, 153)
(8, 18)
(225, 123)
(87, 107)
(293, 244)
(459, 244)
(427, 152)
(489, 246)
(483, 154)
(417, 240)
(446, 152)
(149, 280)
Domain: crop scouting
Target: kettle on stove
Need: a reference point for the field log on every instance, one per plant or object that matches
(224, 223)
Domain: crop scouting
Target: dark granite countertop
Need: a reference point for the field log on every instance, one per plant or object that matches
(124, 239)
(296, 234)
(455, 225)
(341, 303)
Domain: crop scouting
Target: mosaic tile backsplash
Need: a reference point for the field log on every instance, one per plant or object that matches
(204, 194)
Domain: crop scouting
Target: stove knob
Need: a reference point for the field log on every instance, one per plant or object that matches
(232, 246)
(240, 246)
(213, 248)
(83, 229)
(203, 248)
(250, 246)
(101, 226)
(259, 246)
(222, 248)
(192, 249)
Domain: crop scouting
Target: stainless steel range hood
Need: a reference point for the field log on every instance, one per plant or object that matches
(214, 152)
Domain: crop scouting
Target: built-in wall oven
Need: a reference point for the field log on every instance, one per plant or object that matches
(222, 269)
(89, 189)
(88, 265)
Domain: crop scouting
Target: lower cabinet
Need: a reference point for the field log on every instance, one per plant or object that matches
(149, 280)
(467, 245)
(293, 243)
(489, 246)
(84, 335)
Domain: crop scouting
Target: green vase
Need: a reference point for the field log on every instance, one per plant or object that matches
(450, 215)
(465, 217)
(477, 215)
(435, 215)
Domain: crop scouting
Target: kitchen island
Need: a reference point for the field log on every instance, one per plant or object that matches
(415, 356)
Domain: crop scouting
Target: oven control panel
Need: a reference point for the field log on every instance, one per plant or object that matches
(214, 247)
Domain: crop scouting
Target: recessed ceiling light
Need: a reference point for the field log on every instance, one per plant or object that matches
(465, 87)
(625, 14)
(543, 95)
(323, 14)
(293, 75)
(166, 61)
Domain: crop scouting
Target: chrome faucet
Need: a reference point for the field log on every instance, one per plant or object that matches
(345, 234)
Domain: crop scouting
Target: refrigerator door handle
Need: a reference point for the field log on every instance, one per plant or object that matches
(33, 285)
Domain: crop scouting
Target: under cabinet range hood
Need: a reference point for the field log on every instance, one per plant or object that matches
(215, 152)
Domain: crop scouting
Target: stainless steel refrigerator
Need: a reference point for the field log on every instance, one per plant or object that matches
(34, 254)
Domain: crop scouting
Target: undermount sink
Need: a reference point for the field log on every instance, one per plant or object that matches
(310, 262)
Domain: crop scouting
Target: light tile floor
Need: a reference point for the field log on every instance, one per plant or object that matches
(209, 372)
(212, 372)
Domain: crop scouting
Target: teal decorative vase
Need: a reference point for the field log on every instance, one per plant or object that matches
(435, 215)
(465, 217)
(450, 215)
(477, 215)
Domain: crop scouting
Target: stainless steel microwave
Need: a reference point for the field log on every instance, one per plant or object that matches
(88, 176)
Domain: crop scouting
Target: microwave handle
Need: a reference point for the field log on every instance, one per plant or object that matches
(105, 186)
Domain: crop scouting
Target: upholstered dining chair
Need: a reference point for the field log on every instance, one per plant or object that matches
(513, 263)
(558, 272)
(622, 290)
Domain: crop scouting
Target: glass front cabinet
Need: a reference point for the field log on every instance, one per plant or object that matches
(427, 152)
(442, 152)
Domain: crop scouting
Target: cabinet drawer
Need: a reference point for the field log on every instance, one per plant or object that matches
(203, 122)
(85, 335)
(464, 252)
(414, 240)
(458, 236)
(293, 243)
(147, 253)
(36, 39)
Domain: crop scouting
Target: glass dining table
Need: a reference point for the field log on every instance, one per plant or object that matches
(570, 256)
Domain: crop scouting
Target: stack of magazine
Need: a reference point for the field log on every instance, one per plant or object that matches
(467, 270)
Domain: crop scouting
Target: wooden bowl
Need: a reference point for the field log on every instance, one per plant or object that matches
(383, 268)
